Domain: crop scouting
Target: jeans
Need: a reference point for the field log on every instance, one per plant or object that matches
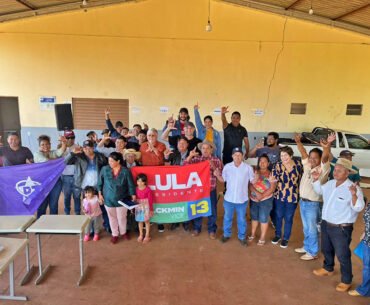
(51, 200)
(212, 227)
(70, 189)
(241, 210)
(336, 241)
(310, 214)
(284, 210)
(364, 288)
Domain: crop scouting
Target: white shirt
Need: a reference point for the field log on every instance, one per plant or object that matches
(237, 181)
(338, 207)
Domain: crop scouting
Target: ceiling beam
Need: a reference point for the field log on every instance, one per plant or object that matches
(25, 4)
(293, 4)
(351, 12)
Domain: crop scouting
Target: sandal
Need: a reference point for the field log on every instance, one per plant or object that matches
(261, 242)
(147, 239)
(250, 238)
(139, 239)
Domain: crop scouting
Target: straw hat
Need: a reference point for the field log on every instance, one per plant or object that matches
(346, 164)
(213, 146)
(132, 151)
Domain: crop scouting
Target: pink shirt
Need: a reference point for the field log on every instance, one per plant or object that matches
(145, 193)
(92, 207)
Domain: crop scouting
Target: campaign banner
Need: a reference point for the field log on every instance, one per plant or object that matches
(180, 193)
(24, 187)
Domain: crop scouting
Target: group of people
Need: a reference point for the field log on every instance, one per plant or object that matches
(99, 171)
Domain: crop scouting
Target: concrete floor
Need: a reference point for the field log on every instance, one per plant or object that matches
(176, 268)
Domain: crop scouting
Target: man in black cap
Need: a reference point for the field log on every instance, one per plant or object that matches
(189, 129)
(346, 154)
(177, 127)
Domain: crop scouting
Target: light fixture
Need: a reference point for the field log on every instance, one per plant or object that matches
(209, 25)
(84, 2)
(310, 11)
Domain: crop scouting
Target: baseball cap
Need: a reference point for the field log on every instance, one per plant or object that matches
(183, 109)
(189, 124)
(345, 153)
(88, 143)
(69, 133)
(237, 149)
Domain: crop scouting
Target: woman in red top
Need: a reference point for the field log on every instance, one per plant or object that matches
(145, 209)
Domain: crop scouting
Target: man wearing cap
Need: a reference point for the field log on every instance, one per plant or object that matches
(177, 127)
(234, 135)
(88, 164)
(343, 200)
(15, 154)
(237, 175)
(68, 184)
(347, 155)
(92, 136)
(106, 133)
(189, 129)
(206, 147)
(115, 132)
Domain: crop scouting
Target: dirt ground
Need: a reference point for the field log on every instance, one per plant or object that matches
(178, 269)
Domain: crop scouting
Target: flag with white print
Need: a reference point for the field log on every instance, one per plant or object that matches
(180, 193)
(24, 187)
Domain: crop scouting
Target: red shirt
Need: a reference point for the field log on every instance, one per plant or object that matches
(149, 158)
(145, 193)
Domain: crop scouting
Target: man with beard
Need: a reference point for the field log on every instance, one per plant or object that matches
(15, 154)
(272, 149)
(178, 126)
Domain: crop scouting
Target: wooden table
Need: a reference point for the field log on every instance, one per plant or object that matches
(15, 225)
(12, 248)
(59, 224)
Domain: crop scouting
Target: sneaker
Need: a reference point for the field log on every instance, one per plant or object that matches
(284, 244)
(275, 240)
(195, 233)
(87, 237)
(114, 239)
(161, 228)
(354, 293)
(173, 226)
(300, 250)
(125, 236)
(186, 227)
(96, 237)
(212, 235)
(308, 257)
(224, 239)
(243, 242)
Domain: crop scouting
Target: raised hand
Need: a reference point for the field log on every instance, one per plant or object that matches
(62, 139)
(107, 111)
(260, 144)
(315, 174)
(167, 153)
(297, 138)
(272, 178)
(171, 125)
(224, 109)
(353, 188)
(145, 125)
(170, 119)
(331, 137)
(196, 106)
(193, 153)
(78, 150)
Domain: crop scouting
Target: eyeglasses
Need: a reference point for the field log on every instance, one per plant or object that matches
(70, 138)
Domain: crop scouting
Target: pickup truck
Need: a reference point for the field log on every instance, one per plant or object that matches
(356, 143)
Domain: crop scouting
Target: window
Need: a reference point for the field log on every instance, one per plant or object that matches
(354, 109)
(298, 108)
(357, 142)
(88, 113)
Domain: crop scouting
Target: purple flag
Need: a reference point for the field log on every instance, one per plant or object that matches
(24, 187)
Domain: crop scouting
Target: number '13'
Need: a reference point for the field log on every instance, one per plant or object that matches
(199, 208)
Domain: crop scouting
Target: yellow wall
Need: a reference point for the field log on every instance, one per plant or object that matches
(157, 53)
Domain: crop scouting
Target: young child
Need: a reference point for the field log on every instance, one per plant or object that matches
(91, 207)
(145, 210)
